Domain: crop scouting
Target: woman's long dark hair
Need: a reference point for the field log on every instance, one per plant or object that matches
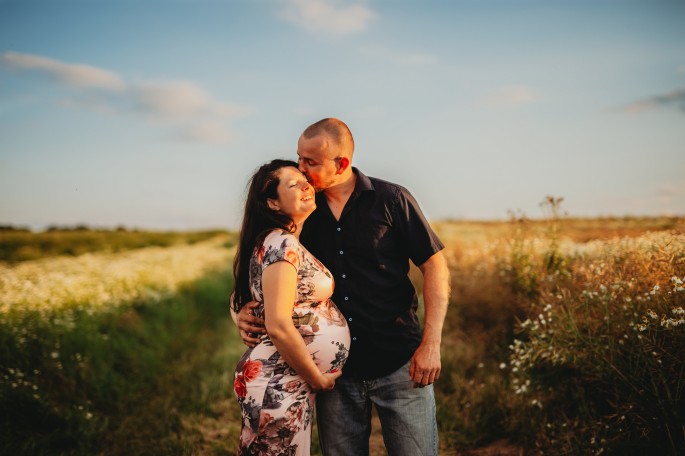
(258, 221)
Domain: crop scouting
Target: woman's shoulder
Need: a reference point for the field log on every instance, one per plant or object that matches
(280, 238)
(280, 245)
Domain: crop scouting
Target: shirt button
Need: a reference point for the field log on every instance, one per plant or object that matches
(341, 252)
(338, 228)
(346, 298)
(344, 276)
(354, 338)
(349, 319)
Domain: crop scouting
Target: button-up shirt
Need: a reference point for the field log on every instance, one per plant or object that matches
(368, 250)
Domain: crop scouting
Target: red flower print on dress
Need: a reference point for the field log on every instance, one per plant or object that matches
(252, 369)
(239, 386)
(292, 386)
(292, 257)
(264, 420)
(330, 312)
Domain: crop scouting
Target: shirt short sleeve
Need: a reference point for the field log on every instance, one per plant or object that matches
(419, 236)
(280, 246)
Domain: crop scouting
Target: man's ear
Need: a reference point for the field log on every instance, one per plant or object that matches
(273, 204)
(343, 164)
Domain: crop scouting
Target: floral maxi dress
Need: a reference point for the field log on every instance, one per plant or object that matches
(276, 403)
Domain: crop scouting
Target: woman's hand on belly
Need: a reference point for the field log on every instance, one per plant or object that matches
(329, 381)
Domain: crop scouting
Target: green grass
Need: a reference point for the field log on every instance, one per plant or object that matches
(139, 380)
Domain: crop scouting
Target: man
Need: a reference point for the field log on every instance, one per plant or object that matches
(365, 231)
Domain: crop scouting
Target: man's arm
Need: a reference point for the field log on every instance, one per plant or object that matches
(247, 323)
(425, 364)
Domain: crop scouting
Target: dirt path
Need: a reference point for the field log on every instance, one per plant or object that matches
(220, 433)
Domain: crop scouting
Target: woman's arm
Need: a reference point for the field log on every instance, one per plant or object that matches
(279, 285)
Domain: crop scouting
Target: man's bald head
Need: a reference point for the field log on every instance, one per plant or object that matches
(337, 132)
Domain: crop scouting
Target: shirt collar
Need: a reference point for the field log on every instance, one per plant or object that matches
(363, 183)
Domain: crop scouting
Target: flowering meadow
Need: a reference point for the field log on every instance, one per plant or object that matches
(114, 353)
(563, 337)
(561, 346)
(95, 280)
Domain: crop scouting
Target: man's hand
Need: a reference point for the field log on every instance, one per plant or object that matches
(249, 325)
(425, 365)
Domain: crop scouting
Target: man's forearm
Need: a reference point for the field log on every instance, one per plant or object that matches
(436, 293)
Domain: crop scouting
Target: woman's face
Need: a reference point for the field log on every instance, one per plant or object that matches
(295, 195)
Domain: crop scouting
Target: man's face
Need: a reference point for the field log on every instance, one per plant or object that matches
(318, 161)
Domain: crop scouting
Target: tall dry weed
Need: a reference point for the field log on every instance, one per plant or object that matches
(598, 364)
(565, 347)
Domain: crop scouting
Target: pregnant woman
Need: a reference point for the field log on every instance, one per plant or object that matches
(307, 339)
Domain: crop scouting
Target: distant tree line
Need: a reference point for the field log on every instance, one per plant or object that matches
(21, 244)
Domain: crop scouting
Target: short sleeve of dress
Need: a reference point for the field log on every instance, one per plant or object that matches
(280, 246)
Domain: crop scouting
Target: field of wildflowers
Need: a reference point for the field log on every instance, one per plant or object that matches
(114, 353)
(565, 347)
(90, 281)
(564, 336)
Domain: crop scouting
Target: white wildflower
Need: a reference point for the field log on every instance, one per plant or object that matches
(96, 280)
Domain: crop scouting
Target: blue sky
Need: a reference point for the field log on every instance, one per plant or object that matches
(154, 113)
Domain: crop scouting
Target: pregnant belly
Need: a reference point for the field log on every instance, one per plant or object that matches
(326, 334)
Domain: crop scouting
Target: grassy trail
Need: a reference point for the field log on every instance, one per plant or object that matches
(214, 429)
(144, 378)
(192, 401)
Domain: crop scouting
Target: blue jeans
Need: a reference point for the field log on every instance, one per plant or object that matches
(407, 416)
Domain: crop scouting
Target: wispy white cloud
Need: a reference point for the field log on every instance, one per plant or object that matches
(173, 100)
(182, 99)
(75, 75)
(397, 58)
(330, 16)
(190, 108)
(183, 105)
(208, 132)
(507, 95)
(675, 97)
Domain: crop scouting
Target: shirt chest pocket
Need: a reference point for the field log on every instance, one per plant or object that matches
(371, 241)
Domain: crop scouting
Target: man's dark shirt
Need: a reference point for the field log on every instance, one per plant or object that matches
(368, 251)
